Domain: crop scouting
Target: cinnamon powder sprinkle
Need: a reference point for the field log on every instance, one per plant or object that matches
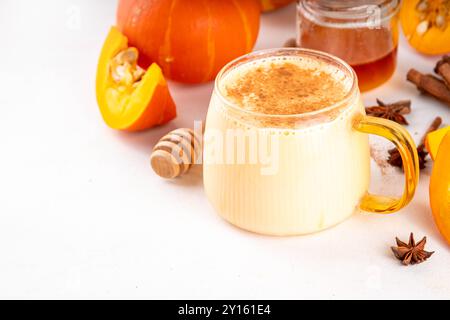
(284, 88)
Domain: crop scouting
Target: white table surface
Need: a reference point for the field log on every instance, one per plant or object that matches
(82, 215)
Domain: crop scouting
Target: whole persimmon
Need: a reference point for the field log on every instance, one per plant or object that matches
(190, 40)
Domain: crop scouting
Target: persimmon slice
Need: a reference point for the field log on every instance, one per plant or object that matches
(129, 97)
(440, 188)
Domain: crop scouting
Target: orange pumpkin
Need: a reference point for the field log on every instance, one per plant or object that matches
(190, 40)
(130, 98)
(270, 5)
(440, 188)
(434, 140)
(426, 24)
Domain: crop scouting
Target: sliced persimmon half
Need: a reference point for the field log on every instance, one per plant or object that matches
(129, 97)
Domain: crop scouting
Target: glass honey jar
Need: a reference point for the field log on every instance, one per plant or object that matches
(364, 33)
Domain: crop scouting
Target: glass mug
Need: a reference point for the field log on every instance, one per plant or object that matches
(323, 160)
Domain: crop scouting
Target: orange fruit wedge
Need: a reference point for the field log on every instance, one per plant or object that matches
(129, 97)
(440, 188)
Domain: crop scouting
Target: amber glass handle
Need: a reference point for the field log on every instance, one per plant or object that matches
(408, 151)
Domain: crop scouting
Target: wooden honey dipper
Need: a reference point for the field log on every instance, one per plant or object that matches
(175, 153)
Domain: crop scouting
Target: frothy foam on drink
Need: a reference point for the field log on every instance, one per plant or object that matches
(286, 85)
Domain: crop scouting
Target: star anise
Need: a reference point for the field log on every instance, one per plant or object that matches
(411, 253)
(396, 160)
(391, 111)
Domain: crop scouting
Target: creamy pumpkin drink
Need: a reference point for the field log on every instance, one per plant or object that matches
(286, 150)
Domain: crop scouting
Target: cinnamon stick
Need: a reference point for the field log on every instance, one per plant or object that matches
(433, 127)
(430, 85)
(443, 69)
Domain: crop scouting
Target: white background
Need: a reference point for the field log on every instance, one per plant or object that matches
(82, 215)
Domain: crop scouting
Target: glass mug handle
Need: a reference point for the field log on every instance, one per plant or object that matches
(408, 151)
